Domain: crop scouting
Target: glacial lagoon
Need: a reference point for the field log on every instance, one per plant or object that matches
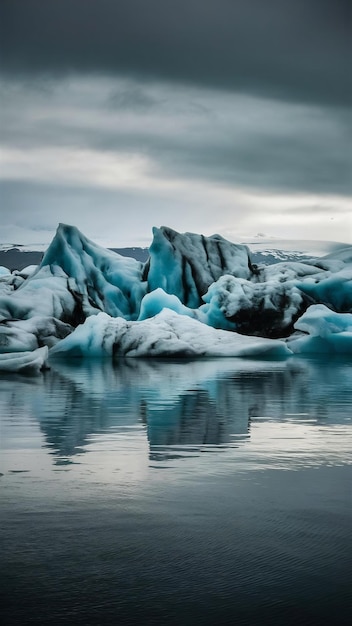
(214, 491)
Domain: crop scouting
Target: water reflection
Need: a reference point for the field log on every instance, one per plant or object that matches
(141, 493)
(183, 408)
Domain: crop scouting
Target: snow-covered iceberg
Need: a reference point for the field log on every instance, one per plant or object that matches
(195, 296)
(167, 334)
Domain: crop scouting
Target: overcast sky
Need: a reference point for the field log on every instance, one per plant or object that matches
(226, 116)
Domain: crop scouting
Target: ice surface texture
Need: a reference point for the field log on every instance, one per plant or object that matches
(328, 332)
(184, 301)
(24, 362)
(166, 334)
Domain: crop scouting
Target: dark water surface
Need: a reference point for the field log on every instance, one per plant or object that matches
(156, 492)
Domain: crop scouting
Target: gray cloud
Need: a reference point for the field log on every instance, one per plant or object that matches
(111, 217)
(201, 114)
(186, 133)
(291, 49)
(131, 97)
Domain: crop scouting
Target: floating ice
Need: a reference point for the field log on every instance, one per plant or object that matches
(154, 302)
(30, 334)
(78, 278)
(187, 264)
(333, 289)
(24, 362)
(46, 294)
(195, 296)
(27, 271)
(328, 332)
(166, 334)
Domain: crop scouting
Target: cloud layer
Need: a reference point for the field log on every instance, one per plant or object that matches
(215, 116)
(294, 49)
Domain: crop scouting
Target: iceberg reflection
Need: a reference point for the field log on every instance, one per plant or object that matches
(185, 409)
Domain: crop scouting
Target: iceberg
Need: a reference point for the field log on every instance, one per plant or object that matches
(194, 296)
(76, 279)
(324, 332)
(27, 271)
(30, 362)
(168, 334)
(30, 334)
(187, 264)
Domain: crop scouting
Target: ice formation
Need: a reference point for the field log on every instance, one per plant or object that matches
(324, 331)
(30, 362)
(30, 334)
(195, 296)
(166, 334)
(186, 265)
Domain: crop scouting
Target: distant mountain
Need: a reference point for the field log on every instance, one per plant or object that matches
(265, 251)
(16, 257)
(271, 250)
(141, 254)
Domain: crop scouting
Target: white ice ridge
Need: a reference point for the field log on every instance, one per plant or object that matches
(204, 280)
(24, 362)
(167, 334)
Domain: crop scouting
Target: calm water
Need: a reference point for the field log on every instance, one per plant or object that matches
(155, 492)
